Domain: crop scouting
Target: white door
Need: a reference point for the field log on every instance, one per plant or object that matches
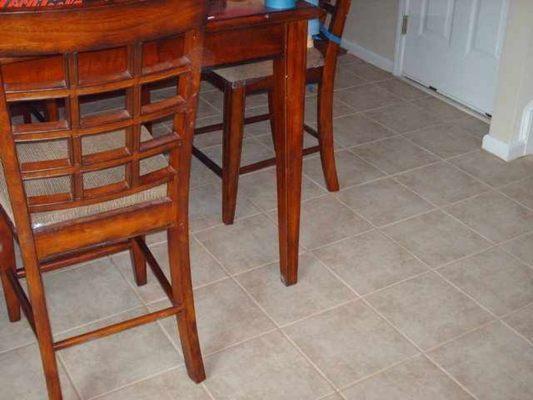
(454, 46)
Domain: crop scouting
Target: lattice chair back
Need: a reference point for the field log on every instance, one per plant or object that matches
(93, 63)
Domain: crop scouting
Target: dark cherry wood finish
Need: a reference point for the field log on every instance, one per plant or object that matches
(98, 48)
(242, 31)
(234, 104)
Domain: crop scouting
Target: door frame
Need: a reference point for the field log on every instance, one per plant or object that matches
(399, 52)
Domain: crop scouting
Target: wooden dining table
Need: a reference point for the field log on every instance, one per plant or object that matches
(240, 31)
(245, 30)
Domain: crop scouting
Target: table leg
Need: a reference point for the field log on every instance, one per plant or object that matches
(289, 94)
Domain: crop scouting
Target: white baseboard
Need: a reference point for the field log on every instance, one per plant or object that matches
(505, 151)
(368, 55)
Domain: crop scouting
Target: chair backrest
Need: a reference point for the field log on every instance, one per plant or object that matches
(336, 13)
(81, 53)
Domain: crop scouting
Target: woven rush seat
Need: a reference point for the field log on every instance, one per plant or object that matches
(53, 150)
(259, 70)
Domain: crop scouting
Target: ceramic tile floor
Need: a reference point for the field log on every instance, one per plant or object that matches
(416, 279)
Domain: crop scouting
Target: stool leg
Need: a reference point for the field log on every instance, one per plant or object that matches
(180, 271)
(234, 101)
(8, 266)
(52, 111)
(138, 262)
(325, 131)
(41, 320)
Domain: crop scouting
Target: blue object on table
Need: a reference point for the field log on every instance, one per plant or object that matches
(280, 4)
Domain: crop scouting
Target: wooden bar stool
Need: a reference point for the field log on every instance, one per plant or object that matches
(239, 81)
(82, 185)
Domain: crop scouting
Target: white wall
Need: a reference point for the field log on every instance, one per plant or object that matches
(370, 31)
(514, 97)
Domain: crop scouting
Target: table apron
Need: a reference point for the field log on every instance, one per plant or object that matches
(240, 45)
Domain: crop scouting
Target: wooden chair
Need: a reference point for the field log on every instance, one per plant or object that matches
(81, 186)
(239, 81)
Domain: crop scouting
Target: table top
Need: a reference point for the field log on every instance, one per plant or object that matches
(222, 14)
(230, 13)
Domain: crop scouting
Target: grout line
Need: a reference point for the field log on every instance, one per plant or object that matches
(250, 296)
(137, 381)
(393, 326)
(62, 363)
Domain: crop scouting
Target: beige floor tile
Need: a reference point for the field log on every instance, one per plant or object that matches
(415, 379)
(437, 238)
(332, 397)
(171, 385)
(204, 270)
(71, 296)
(22, 376)
(521, 247)
(252, 151)
(402, 89)
(201, 175)
(13, 334)
(215, 98)
(350, 342)
(351, 170)
(325, 220)
(309, 141)
(394, 155)
(495, 279)
(441, 183)
(248, 243)
(368, 72)
(473, 125)
(369, 261)
(522, 321)
(429, 310)
(317, 290)
(494, 216)
(211, 138)
(492, 362)
(521, 191)
(440, 109)
(355, 129)
(447, 140)
(492, 170)
(205, 109)
(344, 78)
(268, 368)
(225, 315)
(345, 59)
(205, 208)
(206, 87)
(339, 108)
(108, 363)
(383, 201)
(366, 97)
(260, 189)
(403, 117)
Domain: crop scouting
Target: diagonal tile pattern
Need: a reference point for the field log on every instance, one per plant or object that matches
(416, 280)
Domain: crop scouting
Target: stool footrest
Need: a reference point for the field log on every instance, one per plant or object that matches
(118, 327)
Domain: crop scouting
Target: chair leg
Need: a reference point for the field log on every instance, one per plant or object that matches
(8, 264)
(325, 131)
(180, 271)
(43, 330)
(138, 262)
(234, 101)
(52, 110)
